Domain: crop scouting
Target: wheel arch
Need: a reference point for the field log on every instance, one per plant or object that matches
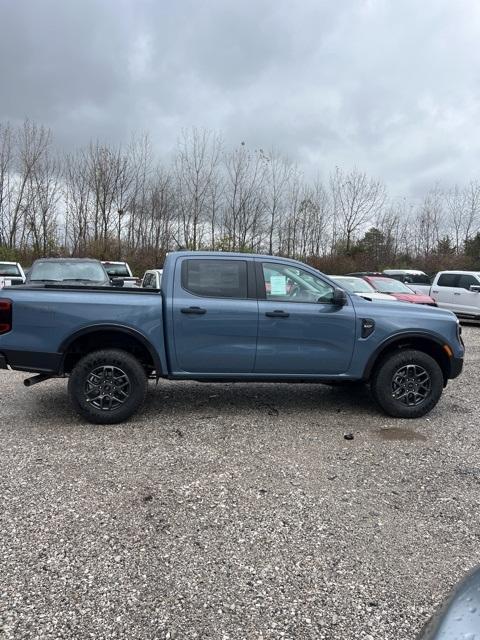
(103, 336)
(430, 343)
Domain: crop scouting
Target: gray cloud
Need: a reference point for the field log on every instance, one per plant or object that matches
(390, 87)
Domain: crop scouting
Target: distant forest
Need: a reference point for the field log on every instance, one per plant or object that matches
(113, 202)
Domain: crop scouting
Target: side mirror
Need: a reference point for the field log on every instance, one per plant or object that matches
(117, 282)
(475, 288)
(339, 298)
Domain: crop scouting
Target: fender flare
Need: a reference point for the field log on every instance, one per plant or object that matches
(118, 329)
(398, 337)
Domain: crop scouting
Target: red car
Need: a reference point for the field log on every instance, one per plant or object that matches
(398, 290)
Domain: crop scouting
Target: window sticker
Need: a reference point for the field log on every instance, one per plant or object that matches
(278, 285)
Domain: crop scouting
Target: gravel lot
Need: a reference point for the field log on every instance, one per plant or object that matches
(235, 511)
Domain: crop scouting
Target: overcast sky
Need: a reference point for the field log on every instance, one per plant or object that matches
(389, 86)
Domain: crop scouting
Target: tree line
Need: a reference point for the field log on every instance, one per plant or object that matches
(119, 202)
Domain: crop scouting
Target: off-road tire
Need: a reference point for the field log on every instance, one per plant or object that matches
(130, 381)
(383, 383)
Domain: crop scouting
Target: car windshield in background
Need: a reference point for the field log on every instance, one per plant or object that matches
(387, 285)
(66, 271)
(355, 285)
(9, 270)
(116, 270)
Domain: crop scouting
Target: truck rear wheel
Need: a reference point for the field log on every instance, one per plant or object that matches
(407, 384)
(107, 386)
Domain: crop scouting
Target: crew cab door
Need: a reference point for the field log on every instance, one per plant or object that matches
(215, 315)
(300, 331)
(468, 302)
(443, 289)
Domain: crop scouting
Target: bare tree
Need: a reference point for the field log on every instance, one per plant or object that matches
(356, 201)
(197, 160)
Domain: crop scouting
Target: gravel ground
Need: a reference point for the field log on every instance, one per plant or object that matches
(235, 511)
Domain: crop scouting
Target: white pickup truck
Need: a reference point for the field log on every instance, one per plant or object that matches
(458, 291)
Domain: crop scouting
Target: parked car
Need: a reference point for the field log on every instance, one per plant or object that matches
(362, 288)
(217, 320)
(11, 274)
(70, 271)
(458, 291)
(121, 270)
(152, 279)
(398, 290)
(417, 280)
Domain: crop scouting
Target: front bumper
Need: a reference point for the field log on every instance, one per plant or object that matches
(456, 366)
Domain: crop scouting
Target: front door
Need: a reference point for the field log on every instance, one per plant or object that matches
(468, 302)
(300, 331)
(215, 316)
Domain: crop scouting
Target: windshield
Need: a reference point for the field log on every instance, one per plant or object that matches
(388, 285)
(62, 271)
(355, 285)
(116, 270)
(9, 270)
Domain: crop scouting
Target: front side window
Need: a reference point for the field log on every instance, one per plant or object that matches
(215, 278)
(466, 281)
(290, 284)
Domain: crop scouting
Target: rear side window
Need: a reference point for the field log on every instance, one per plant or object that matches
(466, 280)
(448, 280)
(215, 278)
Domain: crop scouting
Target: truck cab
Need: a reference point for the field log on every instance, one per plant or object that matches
(458, 291)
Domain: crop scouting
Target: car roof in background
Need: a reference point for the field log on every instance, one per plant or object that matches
(413, 272)
(67, 260)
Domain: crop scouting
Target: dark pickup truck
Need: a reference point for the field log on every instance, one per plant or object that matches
(227, 317)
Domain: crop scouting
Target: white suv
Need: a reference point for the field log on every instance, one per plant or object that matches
(458, 291)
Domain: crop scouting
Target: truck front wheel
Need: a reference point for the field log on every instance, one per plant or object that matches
(407, 383)
(107, 386)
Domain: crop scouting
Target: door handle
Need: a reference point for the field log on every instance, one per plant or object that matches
(433, 291)
(277, 314)
(197, 311)
(456, 293)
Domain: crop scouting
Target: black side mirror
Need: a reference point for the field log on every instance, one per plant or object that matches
(339, 298)
(117, 282)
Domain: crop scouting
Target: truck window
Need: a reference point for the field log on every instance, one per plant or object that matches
(9, 270)
(291, 284)
(448, 280)
(215, 278)
(465, 281)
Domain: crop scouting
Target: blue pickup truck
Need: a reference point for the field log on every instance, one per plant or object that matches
(227, 317)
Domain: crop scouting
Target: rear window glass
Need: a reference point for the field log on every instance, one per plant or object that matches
(215, 278)
(448, 280)
(410, 278)
(9, 270)
(116, 270)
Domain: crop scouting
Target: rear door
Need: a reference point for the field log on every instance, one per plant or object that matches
(443, 290)
(300, 331)
(215, 315)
